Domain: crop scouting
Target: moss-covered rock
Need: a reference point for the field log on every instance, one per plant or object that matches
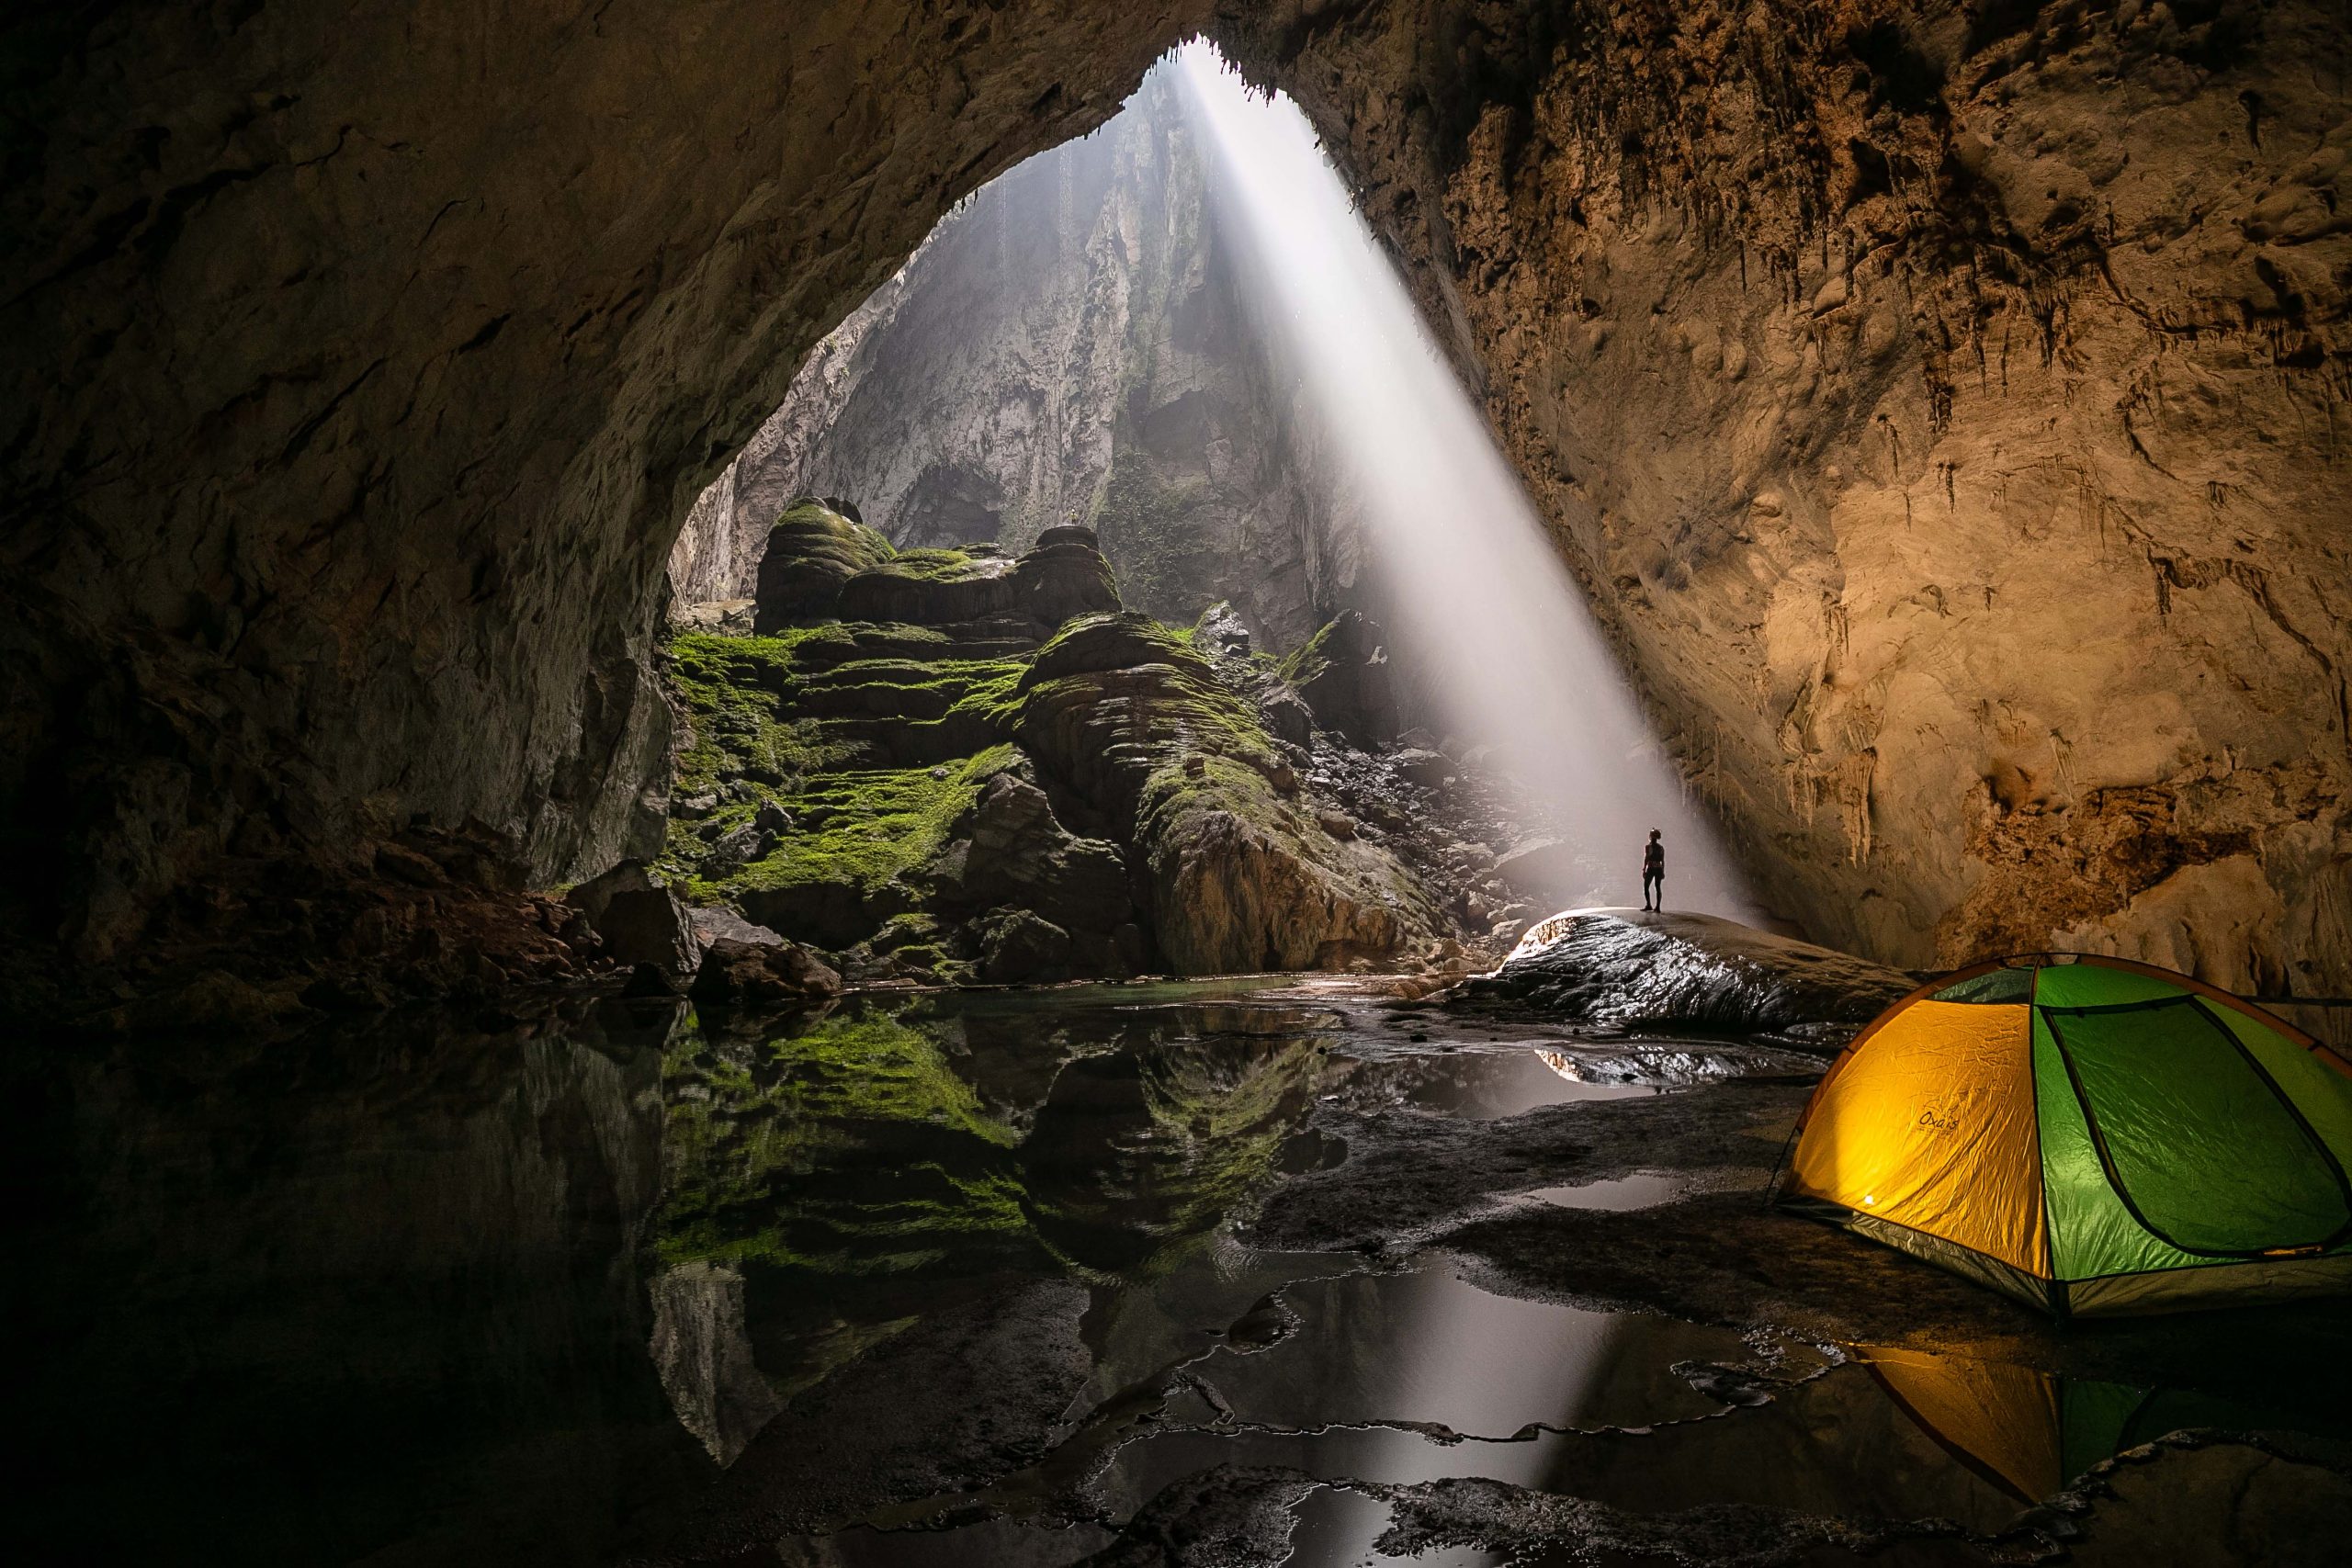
(1341, 674)
(953, 792)
(1064, 575)
(1240, 873)
(811, 553)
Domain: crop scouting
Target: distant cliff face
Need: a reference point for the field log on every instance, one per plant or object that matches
(1070, 345)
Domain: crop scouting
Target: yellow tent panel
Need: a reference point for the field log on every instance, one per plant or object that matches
(1932, 1129)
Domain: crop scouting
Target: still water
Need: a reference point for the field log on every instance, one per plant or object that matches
(921, 1279)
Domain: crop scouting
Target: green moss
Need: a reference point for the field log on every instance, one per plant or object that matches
(729, 687)
(941, 565)
(864, 827)
(787, 718)
(1309, 659)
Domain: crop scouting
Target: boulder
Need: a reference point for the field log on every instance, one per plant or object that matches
(812, 553)
(649, 927)
(1425, 768)
(640, 921)
(1342, 675)
(1017, 946)
(711, 924)
(1220, 631)
(1637, 969)
(1287, 716)
(739, 846)
(760, 974)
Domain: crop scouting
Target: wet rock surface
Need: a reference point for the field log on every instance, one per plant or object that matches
(1641, 969)
(1230, 1274)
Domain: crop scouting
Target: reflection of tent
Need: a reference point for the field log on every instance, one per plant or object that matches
(2089, 1136)
(2024, 1431)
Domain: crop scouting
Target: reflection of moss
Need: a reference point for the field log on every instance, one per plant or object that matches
(1230, 1106)
(852, 1147)
(1165, 1145)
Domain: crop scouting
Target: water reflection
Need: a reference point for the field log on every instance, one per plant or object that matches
(433, 1290)
(367, 1291)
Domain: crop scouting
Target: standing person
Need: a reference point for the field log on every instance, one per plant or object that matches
(1654, 874)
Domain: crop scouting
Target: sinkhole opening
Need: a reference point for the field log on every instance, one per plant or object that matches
(1174, 340)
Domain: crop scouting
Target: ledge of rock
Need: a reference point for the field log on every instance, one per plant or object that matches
(1633, 968)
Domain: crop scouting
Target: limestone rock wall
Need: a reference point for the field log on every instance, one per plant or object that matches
(1073, 343)
(1946, 409)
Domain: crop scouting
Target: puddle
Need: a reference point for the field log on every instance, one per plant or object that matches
(1430, 1348)
(1473, 1083)
(1421, 1376)
(1643, 1190)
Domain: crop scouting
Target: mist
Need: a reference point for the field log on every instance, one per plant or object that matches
(1485, 612)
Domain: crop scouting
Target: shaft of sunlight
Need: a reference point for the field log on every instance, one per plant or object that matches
(1482, 603)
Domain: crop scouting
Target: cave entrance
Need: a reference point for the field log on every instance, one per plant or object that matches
(1163, 369)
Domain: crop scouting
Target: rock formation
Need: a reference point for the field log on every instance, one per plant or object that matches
(1942, 407)
(954, 764)
(1074, 344)
(1639, 969)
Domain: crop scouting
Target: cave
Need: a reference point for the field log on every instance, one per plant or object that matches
(698, 734)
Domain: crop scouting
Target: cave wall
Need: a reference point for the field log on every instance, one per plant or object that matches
(1942, 405)
(363, 361)
(1945, 407)
(1073, 344)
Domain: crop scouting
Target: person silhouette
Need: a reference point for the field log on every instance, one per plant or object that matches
(1654, 874)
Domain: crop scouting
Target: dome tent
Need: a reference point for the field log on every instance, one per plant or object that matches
(2091, 1136)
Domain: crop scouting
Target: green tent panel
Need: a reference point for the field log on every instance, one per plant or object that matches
(2092, 1135)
